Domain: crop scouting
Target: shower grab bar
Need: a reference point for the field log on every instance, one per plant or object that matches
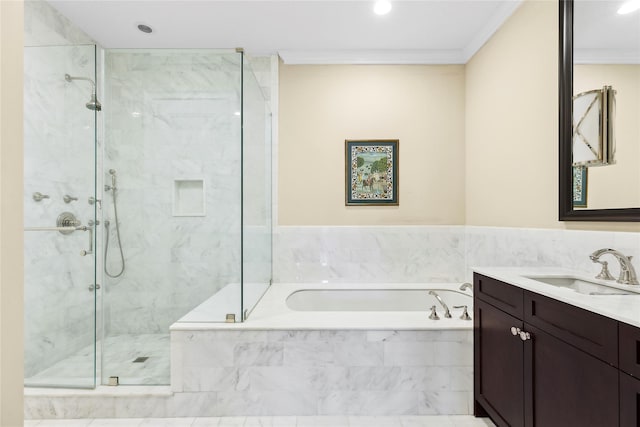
(88, 228)
(79, 228)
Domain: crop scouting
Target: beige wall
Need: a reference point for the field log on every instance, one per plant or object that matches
(11, 246)
(604, 183)
(321, 106)
(512, 126)
(512, 123)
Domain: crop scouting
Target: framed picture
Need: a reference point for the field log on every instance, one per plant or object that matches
(371, 173)
(580, 186)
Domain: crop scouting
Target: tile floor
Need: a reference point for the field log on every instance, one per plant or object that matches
(119, 353)
(401, 421)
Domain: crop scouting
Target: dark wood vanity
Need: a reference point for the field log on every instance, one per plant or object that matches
(541, 362)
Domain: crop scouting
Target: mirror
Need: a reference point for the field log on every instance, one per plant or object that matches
(599, 106)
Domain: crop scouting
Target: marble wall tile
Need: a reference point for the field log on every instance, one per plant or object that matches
(375, 254)
(329, 372)
(272, 403)
(515, 247)
(215, 379)
(298, 378)
(368, 402)
(69, 407)
(45, 26)
(258, 354)
(409, 353)
(445, 403)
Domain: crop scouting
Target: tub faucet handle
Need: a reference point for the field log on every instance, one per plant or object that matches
(434, 315)
(465, 313)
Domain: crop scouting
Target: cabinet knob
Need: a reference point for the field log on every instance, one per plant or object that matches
(515, 331)
(524, 336)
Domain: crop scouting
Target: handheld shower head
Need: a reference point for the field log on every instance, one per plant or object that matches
(112, 172)
(93, 104)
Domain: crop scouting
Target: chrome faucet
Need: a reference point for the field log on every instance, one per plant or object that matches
(627, 272)
(447, 313)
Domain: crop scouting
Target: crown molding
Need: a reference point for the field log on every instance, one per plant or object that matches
(371, 57)
(503, 12)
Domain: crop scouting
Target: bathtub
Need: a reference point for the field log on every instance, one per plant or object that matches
(375, 299)
(330, 349)
(383, 306)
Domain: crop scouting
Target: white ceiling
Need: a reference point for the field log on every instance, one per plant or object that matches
(603, 36)
(301, 31)
(342, 31)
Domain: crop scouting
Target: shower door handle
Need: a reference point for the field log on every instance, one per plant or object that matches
(88, 228)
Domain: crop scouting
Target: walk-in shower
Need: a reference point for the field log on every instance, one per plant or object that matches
(188, 212)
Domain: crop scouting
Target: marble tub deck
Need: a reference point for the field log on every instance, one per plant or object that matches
(401, 421)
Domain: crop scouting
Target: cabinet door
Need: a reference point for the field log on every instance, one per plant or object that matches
(629, 401)
(567, 387)
(498, 365)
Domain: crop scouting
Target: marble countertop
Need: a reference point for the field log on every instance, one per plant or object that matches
(624, 308)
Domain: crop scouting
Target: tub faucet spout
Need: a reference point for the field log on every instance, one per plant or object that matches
(466, 286)
(447, 313)
(627, 272)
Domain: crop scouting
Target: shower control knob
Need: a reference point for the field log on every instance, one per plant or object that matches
(68, 199)
(38, 196)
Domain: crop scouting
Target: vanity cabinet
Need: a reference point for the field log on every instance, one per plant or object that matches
(629, 346)
(539, 362)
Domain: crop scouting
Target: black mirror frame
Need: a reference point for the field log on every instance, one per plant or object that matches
(565, 104)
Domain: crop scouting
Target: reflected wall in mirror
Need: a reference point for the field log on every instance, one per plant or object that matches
(599, 47)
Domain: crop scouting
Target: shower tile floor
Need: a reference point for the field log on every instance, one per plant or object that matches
(120, 351)
(401, 421)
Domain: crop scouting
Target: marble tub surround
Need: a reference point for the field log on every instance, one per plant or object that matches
(625, 308)
(325, 372)
(368, 254)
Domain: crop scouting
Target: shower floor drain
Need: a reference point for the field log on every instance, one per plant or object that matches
(141, 359)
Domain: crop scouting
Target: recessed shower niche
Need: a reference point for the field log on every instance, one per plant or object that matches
(189, 197)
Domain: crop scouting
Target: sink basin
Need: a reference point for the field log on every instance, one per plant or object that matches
(582, 286)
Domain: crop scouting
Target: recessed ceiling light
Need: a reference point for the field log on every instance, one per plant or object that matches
(145, 28)
(382, 7)
(629, 6)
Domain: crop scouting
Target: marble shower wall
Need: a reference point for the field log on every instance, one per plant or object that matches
(171, 115)
(58, 159)
(432, 253)
(45, 26)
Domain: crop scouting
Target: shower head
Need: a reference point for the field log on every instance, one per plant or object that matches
(93, 104)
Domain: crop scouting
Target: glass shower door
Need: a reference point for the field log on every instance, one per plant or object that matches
(60, 216)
